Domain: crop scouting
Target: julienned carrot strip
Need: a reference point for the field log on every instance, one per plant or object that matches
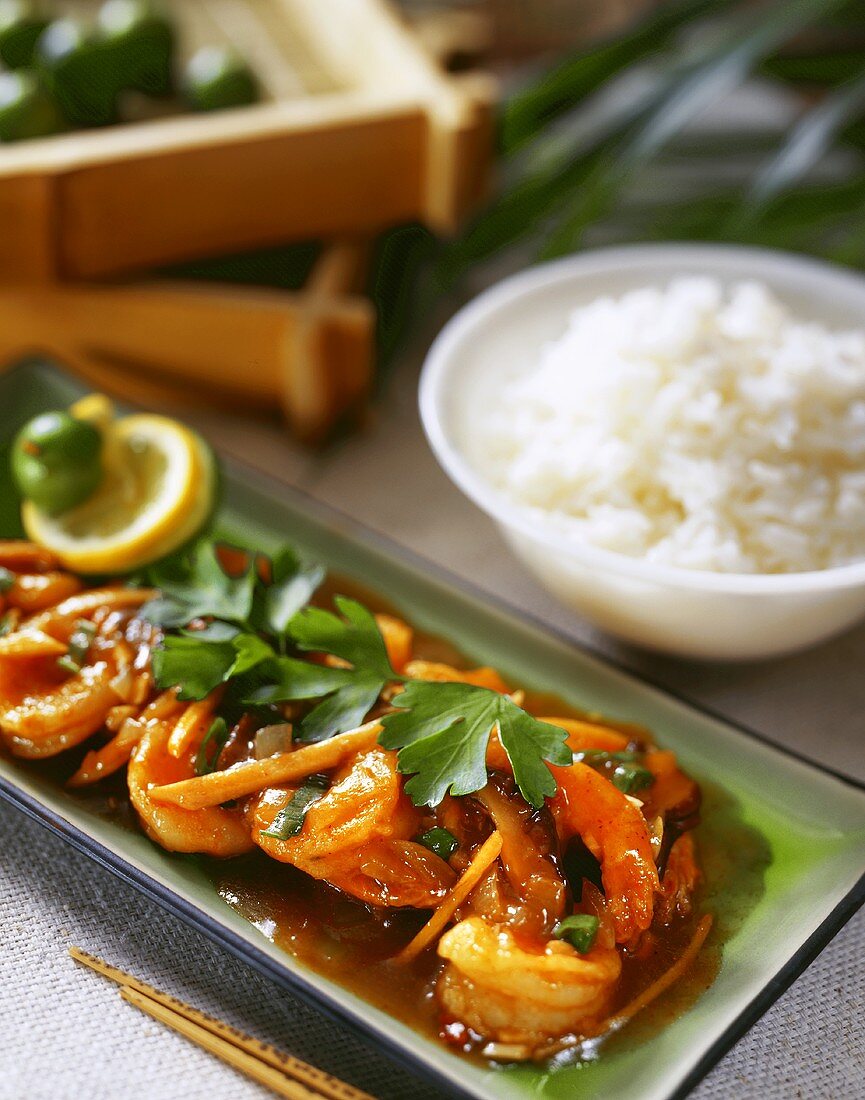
(193, 724)
(31, 643)
(668, 978)
(110, 757)
(483, 859)
(255, 775)
(59, 619)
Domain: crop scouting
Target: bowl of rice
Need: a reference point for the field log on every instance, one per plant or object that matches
(671, 437)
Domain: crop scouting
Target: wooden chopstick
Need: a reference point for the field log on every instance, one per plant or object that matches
(309, 1082)
(236, 1057)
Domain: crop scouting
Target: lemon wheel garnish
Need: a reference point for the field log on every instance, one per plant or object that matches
(158, 490)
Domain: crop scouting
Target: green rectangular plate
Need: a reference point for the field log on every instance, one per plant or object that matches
(789, 837)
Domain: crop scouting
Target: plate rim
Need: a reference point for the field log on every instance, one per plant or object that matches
(220, 934)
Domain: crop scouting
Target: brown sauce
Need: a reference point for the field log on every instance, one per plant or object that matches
(351, 943)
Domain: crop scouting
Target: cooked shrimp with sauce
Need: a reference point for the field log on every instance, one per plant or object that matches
(528, 868)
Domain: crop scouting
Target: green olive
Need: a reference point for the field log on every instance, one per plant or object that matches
(81, 71)
(56, 461)
(144, 39)
(26, 108)
(20, 28)
(217, 77)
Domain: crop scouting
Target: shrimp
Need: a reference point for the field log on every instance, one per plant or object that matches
(515, 990)
(615, 831)
(21, 556)
(681, 876)
(214, 831)
(357, 836)
(43, 712)
(31, 592)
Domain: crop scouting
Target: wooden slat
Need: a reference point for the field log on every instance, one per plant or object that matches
(388, 138)
(155, 207)
(308, 353)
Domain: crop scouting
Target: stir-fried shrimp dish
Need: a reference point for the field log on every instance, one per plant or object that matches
(530, 877)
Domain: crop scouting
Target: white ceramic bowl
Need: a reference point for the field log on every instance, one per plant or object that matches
(695, 614)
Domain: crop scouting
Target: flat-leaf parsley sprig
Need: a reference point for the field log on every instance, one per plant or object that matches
(255, 631)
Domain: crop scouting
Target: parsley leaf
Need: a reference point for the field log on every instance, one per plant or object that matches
(355, 638)
(353, 692)
(291, 587)
(196, 586)
(347, 696)
(344, 710)
(195, 664)
(289, 821)
(442, 730)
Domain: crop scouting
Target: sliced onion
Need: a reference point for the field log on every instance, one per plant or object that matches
(271, 740)
(124, 683)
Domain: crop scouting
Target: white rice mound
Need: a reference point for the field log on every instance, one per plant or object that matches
(693, 425)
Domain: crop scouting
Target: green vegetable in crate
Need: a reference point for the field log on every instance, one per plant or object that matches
(26, 108)
(57, 461)
(217, 77)
(81, 71)
(143, 39)
(20, 29)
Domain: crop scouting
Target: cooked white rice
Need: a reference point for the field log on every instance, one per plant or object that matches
(693, 426)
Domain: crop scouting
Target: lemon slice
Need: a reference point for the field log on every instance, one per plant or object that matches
(158, 490)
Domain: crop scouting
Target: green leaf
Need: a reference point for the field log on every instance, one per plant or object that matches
(808, 143)
(439, 840)
(627, 773)
(579, 930)
(344, 710)
(442, 730)
(199, 660)
(80, 640)
(211, 747)
(290, 680)
(355, 637)
(292, 585)
(196, 586)
(7, 579)
(195, 667)
(746, 42)
(250, 651)
(213, 632)
(289, 821)
(348, 695)
(531, 108)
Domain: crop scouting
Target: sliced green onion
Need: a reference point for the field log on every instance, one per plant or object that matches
(7, 623)
(579, 930)
(211, 747)
(7, 579)
(628, 775)
(80, 641)
(440, 841)
(289, 821)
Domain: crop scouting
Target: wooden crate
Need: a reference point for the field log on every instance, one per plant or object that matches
(308, 354)
(359, 130)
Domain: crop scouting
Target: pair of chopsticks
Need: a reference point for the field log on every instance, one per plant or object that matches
(285, 1075)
